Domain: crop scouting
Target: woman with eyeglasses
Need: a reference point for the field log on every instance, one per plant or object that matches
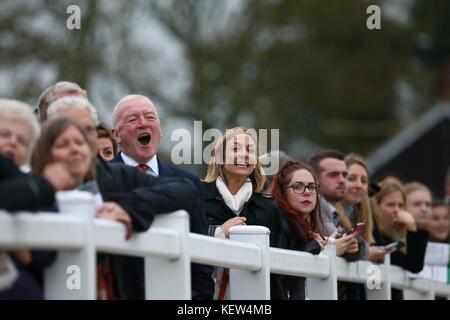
(295, 190)
(232, 196)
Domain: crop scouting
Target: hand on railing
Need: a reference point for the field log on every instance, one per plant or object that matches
(376, 254)
(23, 255)
(237, 221)
(321, 240)
(112, 211)
(343, 242)
(353, 246)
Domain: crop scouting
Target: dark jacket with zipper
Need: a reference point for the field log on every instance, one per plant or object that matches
(259, 211)
(20, 191)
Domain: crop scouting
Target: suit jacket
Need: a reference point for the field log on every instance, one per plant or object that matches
(142, 196)
(202, 283)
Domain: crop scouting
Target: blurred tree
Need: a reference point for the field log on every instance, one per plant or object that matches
(310, 68)
(431, 27)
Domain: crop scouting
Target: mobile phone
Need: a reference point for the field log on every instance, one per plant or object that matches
(357, 228)
(391, 247)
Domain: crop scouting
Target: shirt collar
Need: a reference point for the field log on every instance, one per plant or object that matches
(152, 163)
(348, 208)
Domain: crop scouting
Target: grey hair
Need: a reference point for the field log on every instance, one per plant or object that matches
(17, 110)
(125, 99)
(53, 93)
(72, 102)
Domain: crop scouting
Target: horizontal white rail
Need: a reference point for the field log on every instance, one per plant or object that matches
(442, 289)
(168, 247)
(50, 231)
(287, 262)
(110, 238)
(355, 272)
(224, 253)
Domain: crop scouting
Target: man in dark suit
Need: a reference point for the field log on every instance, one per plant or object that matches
(136, 129)
(141, 196)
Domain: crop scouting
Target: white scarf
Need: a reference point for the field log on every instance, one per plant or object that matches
(235, 202)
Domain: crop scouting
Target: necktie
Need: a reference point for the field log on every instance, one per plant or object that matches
(336, 219)
(143, 167)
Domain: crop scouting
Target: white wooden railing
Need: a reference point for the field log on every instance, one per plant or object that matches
(168, 248)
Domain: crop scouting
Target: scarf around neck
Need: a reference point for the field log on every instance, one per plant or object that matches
(235, 202)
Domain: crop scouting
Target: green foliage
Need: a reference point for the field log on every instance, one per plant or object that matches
(308, 67)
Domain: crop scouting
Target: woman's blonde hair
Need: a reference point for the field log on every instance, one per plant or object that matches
(362, 211)
(384, 225)
(215, 167)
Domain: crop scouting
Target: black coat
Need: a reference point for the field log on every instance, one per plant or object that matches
(259, 210)
(294, 287)
(19, 191)
(412, 260)
(201, 275)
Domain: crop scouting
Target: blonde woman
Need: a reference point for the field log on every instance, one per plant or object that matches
(356, 206)
(231, 192)
(393, 224)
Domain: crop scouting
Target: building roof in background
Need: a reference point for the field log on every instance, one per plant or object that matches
(395, 146)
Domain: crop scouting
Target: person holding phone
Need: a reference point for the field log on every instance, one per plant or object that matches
(356, 208)
(295, 190)
(393, 224)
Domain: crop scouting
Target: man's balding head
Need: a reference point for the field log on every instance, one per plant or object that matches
(136, 127)
(55, 92)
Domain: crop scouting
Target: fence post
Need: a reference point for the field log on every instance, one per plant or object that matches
(170, 279)
(325, 289)
(251, 285)
(383, 292)
(73, 275)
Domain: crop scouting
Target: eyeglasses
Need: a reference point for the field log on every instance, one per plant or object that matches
(300, 188)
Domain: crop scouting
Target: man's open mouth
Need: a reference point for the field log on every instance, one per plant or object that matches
(144, 139)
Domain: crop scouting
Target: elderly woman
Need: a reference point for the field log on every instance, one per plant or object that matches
(296, 190)
(19, 130)
(232, 198)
